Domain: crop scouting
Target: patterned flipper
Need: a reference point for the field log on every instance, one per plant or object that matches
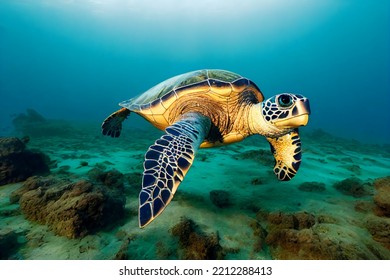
(167, 162)
(112, 125)
(287, 153)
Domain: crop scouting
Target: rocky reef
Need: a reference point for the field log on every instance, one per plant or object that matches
(304, 236)
(111, 178)
(71, 209)
(353, 186)
(379, 225)
(261, 155)
(382, 196)
(8, 243)
(33, 124)
(332, 210)
(18, 163)
(195, 244)
(312, 187)
(220, 198)
(379, 229)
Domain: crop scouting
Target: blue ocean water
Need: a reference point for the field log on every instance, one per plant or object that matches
(76, 60)
(73, 61)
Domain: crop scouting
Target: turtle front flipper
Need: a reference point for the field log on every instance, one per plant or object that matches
(112, 125)
(287, 153)
(166, 163)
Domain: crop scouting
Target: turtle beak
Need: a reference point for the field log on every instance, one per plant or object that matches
(293, 122)
(303, 107)
(299, 116)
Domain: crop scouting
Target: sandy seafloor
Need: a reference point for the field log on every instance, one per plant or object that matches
(326, 159)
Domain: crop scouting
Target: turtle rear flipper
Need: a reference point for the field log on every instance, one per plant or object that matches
(287, 153)
(112, 125)
(167, 161)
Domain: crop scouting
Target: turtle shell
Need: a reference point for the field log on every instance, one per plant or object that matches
(218, 86)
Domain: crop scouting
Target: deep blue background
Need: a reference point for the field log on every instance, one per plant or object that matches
(77, 59)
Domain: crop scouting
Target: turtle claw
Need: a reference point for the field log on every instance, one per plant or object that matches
(287, 153)
(112, 125)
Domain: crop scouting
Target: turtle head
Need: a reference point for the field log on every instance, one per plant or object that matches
(278, 119)
(283, 114)
(286, 110)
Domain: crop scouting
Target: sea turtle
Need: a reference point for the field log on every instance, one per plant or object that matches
(208, 108)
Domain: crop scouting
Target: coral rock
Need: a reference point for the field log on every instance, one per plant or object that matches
(259, 234)
(312, 187)
(363, 206)
(354, 168)
(17, 163)
(220, 198)
(382, 196)
(300, 220)
(263, 156)
(194, 244)
(71, 209)
(34, 124)
(257, 181)
(112, 178)
(380, 230)
(353, 187)
(31, 183)
(295, 236)
(11, 145)
(8, 243)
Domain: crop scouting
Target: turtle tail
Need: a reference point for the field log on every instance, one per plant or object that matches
(112, 125)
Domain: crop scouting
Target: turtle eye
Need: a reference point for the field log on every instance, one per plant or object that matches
(285, 100)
